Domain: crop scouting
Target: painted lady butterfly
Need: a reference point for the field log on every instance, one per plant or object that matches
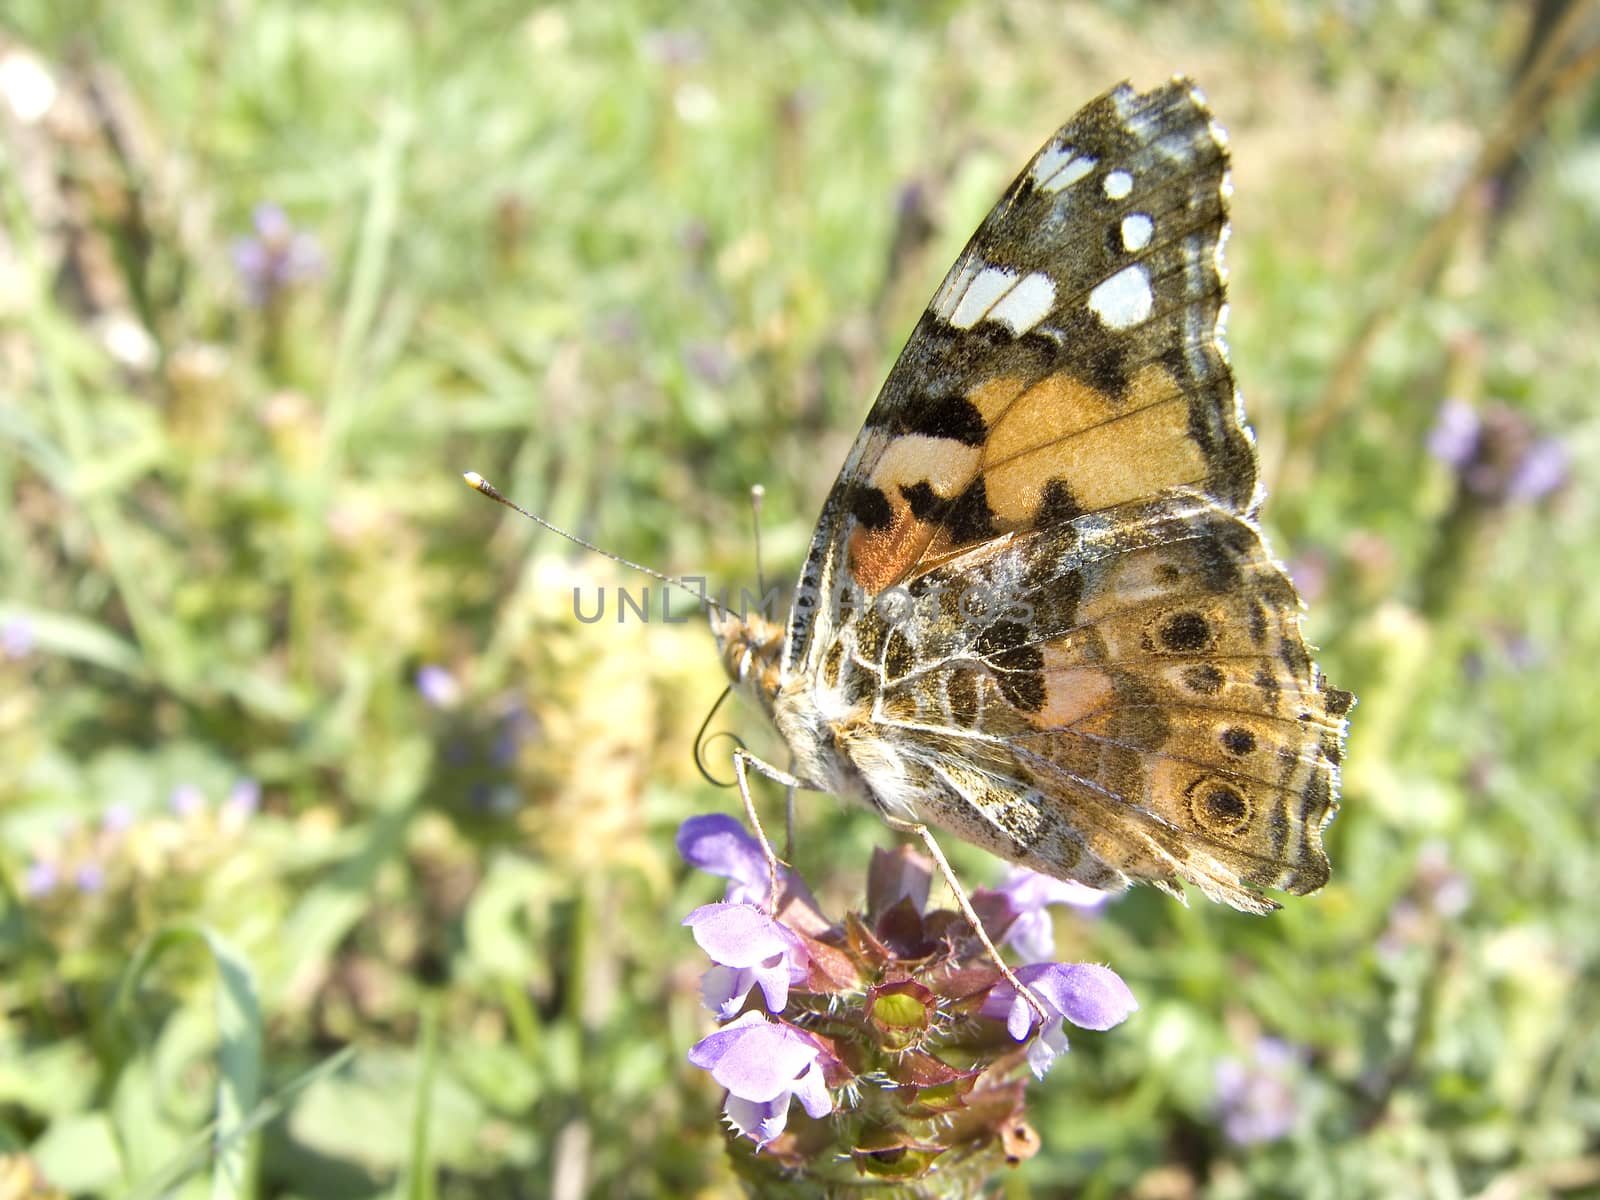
(1091, 666)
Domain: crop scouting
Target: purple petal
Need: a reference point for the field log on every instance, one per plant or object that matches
(739, 935)
(708, 1051)
(812, 1092)
(1542, 470)
(1032, 935)
(759, 1121)
(723, 989)
(1046, 1048)
(773, 979)
(1031, 890)
(763, 1062)
(1020, 1018)
(1088, 995)
(718, 844)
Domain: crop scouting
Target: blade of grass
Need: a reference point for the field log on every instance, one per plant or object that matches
(238, 1015)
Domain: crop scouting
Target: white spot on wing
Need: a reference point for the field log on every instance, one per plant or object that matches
(954, 287)
(975, 291)
(1025, 305)
(1059, 167)
(1136, 231)
(1118, 185)
(1124, 300)
(982, 294)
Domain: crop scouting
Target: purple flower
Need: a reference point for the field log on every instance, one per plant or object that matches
(276, 258)
(244, 796)
(16, 638)
(1496, 453)
(438, 687)
(1256, 1100)
(187, 800)
(1542, 470)
(750, 950)
(117, 818)
(1454, 436)
(719, 845)
(1029, 894)
(90, 878)
(40, 879)
(763, 1064)
(1090, 996)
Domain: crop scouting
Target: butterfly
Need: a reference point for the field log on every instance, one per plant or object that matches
(1038, 611)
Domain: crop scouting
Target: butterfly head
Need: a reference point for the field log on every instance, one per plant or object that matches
(751, 647)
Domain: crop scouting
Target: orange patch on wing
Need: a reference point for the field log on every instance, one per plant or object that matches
(992, 397)
(878, 557)
(1107, 452)
(1071, 694)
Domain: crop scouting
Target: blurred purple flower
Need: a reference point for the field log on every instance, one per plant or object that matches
(90, 878)
(187, 800)
(16, 638)
(243, 799)
(1257, 1100)
(117, 818)
(710, 362)
(719, 845)
(40, 879)
(1496, 453)
(1541, 471)
(763, 1064)
(1454, 436)
(1090, 996)
(276, 257)
(1029, 896)
(749, 949)
(438, 687)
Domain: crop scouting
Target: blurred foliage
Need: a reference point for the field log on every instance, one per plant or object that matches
(336, 856)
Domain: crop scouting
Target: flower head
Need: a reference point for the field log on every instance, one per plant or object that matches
(40, 879)
(187, 800)
(763, 1064)
(276, 257)
(1090, 996)
(16, 638)
(437, 687)
(1496, 454)
(750, 949)
(893, 1018)
(1256, 1099)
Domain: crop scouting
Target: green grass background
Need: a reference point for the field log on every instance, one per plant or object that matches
(627, 260)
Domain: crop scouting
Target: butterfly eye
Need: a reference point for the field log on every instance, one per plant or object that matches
(745, 660)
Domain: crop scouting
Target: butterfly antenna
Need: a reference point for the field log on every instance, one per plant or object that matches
(479, 484)
(757, 494)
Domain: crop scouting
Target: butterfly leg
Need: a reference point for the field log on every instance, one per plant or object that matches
(743, 760)
(788, 818)
(922, 831)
